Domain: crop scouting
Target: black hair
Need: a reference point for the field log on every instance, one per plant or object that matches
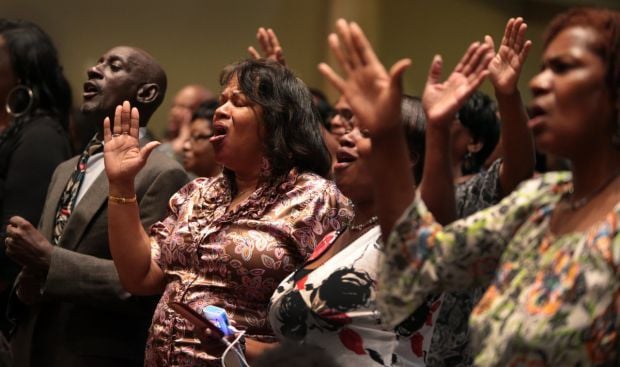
(34, 61)
(205, 110)
(479, 116)
(414, 123)
(323, 106)
(292, 132)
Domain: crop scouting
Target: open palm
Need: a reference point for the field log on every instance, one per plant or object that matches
(505, 67)
(373, 94)
(442, 100)
(122, 154)
(270, 45)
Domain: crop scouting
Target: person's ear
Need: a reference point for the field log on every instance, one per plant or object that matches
(147, 93)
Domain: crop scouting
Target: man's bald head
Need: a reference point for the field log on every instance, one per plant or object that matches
(185, 103)
(124, 73)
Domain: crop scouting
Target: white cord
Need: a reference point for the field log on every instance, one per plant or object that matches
(244, 363)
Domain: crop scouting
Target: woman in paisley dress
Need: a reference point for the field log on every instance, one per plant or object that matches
(231, 239)
(549, 252)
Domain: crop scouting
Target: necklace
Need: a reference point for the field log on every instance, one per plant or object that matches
(574, 205)
(359, 227)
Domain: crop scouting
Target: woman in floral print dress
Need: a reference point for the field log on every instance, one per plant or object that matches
(231, 239)
(549, 252)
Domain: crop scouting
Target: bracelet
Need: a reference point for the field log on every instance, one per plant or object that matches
(122, 200)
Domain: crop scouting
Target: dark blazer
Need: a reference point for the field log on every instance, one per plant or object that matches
(30, 151)
(85, 317)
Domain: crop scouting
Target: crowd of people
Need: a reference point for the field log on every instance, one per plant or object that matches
(385, 229)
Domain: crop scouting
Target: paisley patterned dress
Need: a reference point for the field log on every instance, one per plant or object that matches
(551, 300)
(234, 259)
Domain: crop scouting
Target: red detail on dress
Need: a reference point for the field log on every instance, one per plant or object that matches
(352, 340)
(434, 307)
(417, 341)
(302, 282)
(322, 246)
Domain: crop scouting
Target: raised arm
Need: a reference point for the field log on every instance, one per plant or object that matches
(441, 101)
(270, 45)
(505, 69)
(374, 96)
(129, 242)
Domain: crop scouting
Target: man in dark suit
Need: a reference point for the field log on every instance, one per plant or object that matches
(70, 307)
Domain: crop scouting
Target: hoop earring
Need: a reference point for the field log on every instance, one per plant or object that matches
(14, 106)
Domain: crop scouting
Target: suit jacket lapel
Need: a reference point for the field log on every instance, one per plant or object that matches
(84, 212)
(48, 217)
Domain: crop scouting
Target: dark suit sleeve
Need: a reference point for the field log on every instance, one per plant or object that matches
(80, 278)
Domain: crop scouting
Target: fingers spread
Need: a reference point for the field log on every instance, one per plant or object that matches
(253, 53)
(505, 37)
(116, 128)
(525, 51)
(344, 33)
(333, 78)
(489, 40)
(396, 73)
(107, 134)
(466, 59)
(280, 56)
(481, 58)
(262, 38)
(146, 151)
(520, 37)
(273, 39)
(334, 45)
(434, 72)
(514, 32)
(135, 123)
(361, 46)
(125, 117)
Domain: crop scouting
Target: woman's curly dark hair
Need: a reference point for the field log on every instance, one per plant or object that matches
(292, 124)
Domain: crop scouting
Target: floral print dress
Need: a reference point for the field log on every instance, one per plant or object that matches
(234, 259)
(333, 307)
(551, 300)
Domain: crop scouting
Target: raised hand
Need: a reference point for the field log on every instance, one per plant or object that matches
(122, 154)
(373, 93)
(506, 66)
(442, 100)
(269, 44)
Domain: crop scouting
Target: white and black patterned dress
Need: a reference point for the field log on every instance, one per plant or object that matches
(333, 306)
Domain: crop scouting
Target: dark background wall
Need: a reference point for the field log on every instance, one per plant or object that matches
(195, 39)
